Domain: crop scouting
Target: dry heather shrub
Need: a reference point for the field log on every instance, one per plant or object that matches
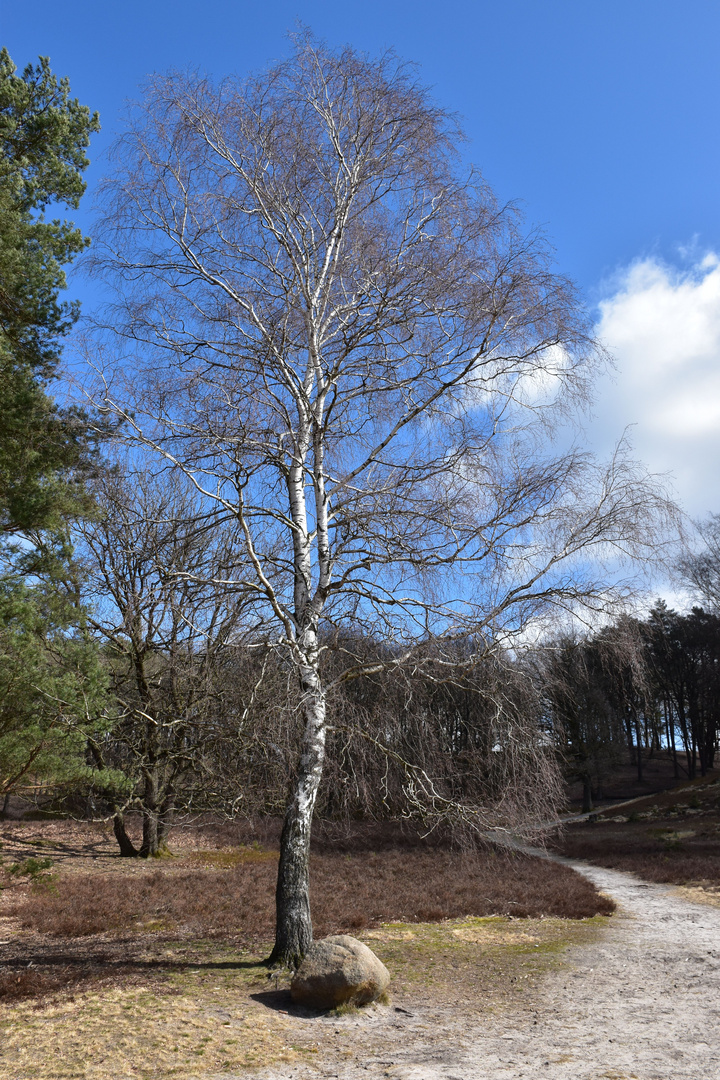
(346, 836)
(356, 891)
(637, 849)
(200, 901)
(349, 892)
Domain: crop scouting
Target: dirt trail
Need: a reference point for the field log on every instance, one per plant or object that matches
(641, 1002)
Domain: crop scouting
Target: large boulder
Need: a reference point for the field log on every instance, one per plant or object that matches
(339, 970)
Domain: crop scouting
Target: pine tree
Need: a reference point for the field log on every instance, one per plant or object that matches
(51, 679)
(43, 137)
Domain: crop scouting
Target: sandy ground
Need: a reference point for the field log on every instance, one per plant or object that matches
(643, 1001)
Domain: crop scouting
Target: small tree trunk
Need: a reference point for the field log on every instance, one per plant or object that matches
(670, 735)
(150, 844)
(127, 848)
(587, 803)
(293, 929)
(630, 741)
(164, 823)
(150, 841)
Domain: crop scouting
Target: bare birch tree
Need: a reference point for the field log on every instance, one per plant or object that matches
(699, 570)
(354, 351)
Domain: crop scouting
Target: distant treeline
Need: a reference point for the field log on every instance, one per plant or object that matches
(636, 687)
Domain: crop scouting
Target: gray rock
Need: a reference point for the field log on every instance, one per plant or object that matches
(339, 970)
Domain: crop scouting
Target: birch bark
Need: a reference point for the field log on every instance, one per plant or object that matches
(294, 933)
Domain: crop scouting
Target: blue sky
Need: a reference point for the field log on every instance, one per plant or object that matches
(600, 116)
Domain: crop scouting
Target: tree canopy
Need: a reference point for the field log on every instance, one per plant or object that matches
(354, 352)
(44, 134)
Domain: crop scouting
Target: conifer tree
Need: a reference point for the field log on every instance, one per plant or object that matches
(51, 682)
(44, 134)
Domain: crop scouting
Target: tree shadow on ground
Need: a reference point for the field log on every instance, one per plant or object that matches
(36, 971)
(281, 1002)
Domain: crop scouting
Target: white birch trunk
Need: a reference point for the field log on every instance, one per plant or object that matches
(293, 928)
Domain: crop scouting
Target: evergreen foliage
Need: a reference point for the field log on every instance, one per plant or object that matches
(51, 683)
(52, 686)
(43, 137)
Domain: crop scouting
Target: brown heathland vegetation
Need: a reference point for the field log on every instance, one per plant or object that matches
(671, 838)
(349, 893)
(363, 877)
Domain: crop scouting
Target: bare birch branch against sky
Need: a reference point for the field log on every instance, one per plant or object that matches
(357, 356)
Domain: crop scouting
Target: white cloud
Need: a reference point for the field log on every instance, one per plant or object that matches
(662, 325)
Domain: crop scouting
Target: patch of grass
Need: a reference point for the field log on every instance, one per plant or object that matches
(31, 868)
(37, 873)
(227, 860)
(121, 1032)
(476, 962)
(346, 1009)
(209, 1013)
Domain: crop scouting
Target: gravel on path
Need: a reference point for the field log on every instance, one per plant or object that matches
(640, 1003)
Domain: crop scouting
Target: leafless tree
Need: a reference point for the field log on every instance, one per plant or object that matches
(162, 632)
(445, 732)
(700, 569)
(621, 651)
(356, 354)
(599, 696)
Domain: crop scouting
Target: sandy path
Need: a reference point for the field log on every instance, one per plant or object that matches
(642, 1002)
